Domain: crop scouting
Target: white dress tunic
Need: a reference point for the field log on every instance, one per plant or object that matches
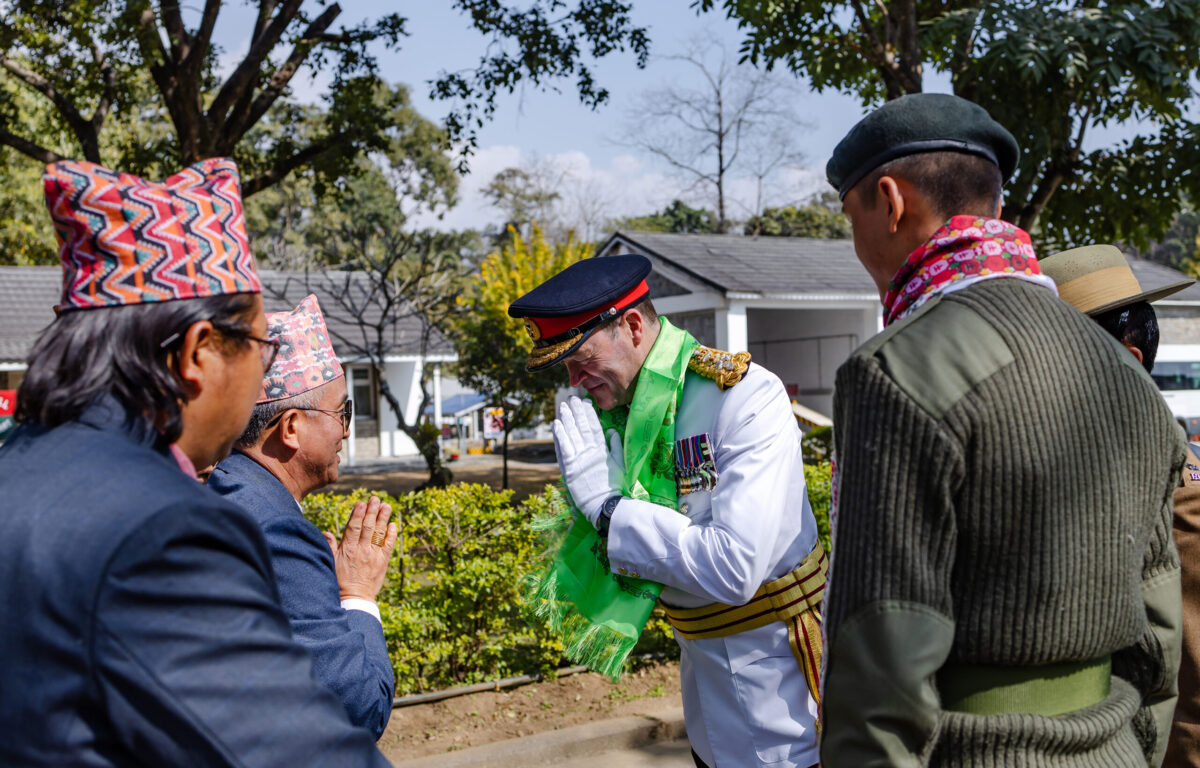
(745, 699)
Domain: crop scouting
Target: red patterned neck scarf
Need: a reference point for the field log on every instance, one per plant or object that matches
(966, 250)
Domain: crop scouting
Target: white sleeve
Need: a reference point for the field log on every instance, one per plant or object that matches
(366, 606)
(759, 499)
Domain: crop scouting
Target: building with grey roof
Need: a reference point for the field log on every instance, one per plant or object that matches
(408, 348)
(801, 305)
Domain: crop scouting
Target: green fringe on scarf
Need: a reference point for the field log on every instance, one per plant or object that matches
(597, 614)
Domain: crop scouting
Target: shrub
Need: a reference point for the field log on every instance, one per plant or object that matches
(817, 478)
(817, 445)
(449, 607)
(450, 604)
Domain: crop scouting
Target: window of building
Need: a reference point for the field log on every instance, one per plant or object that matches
(364, 394)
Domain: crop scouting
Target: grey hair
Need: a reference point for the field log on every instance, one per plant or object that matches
(264, 412)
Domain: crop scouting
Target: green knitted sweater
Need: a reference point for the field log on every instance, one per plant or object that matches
(1005, 478)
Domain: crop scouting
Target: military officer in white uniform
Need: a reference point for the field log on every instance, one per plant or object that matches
(742, 532)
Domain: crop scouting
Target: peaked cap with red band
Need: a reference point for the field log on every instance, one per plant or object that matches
(124, 240)
(561, 313)
(306, 359)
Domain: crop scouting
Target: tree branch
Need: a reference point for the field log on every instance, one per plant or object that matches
(150, 43)
(282, 168)
(176, 33)
(877, 52)
(46, 88)
(26, 147)
(106, 98)
(265, 9)
(246, 73)
(204, 34)
(238, 123)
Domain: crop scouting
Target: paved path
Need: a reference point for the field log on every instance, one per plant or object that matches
(663, 754)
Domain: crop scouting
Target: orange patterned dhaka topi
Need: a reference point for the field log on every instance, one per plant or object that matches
(306, 359)
(124, 240)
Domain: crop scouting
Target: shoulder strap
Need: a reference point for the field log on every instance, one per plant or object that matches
(725, 368)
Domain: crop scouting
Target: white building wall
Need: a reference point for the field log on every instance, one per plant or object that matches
(402, 380)
(804, 347)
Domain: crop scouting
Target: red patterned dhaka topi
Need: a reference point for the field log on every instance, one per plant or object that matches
(124, 240)
(306, 359)
(966, 250)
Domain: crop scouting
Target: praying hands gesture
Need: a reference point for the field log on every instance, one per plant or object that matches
(361, 557)
(591, 467)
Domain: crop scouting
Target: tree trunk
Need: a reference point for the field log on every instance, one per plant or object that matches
(400, 560)
(504, 481)
(439, 475)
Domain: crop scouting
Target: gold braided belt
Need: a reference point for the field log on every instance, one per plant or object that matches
(794, 599)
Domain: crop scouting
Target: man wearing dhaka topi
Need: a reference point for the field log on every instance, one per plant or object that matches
(141, 623)
(289, 450)
(685, 483)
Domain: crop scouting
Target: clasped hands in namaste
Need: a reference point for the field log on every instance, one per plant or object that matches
(592, 468)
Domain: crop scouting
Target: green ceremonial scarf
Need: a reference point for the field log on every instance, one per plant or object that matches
(596, 613)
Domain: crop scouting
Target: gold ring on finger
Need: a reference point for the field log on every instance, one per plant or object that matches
(378, 538)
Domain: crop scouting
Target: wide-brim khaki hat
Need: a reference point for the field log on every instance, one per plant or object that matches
(1097, 278)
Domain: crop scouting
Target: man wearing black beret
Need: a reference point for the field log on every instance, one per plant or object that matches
(1004, 588)
(688, 484)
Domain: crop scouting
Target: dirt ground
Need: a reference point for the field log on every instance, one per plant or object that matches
(482, 718)
(531, 465)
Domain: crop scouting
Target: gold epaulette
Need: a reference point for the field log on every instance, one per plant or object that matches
(725, 368)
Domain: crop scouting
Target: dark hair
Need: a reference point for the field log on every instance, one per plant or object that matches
(86, 354)
(1135, 325)
(645, 307)
(954, 182)
(264, 412)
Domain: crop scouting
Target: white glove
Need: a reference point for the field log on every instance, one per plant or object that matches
(591, 469)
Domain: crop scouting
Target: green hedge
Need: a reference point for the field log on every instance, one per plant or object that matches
(450, 606)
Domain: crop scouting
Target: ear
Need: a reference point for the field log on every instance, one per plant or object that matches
(889, 190)
(999, 208)
(288, 429)
(637, 326)
(196, 357)
(1135, 352)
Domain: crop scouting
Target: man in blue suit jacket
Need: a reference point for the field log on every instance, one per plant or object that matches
(141, 624)
(290, 449)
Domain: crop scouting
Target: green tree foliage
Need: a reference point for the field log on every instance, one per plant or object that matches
(325, 212)
(820, 218)
(1052, 73)
(492, 347)
(524, 196)
(26, 237)
(676, 217)
(92, 60)
(348, 232)
(1179, 247)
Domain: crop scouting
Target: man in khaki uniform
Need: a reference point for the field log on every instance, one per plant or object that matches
(1097, 280)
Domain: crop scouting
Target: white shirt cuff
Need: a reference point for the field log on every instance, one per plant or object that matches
(367, 606)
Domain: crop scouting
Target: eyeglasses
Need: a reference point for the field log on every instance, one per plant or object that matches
(346, 412)
(267, 348)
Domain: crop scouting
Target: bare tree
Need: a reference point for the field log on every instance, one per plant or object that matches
(706, 134)
(385, 287)
(390, 297)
